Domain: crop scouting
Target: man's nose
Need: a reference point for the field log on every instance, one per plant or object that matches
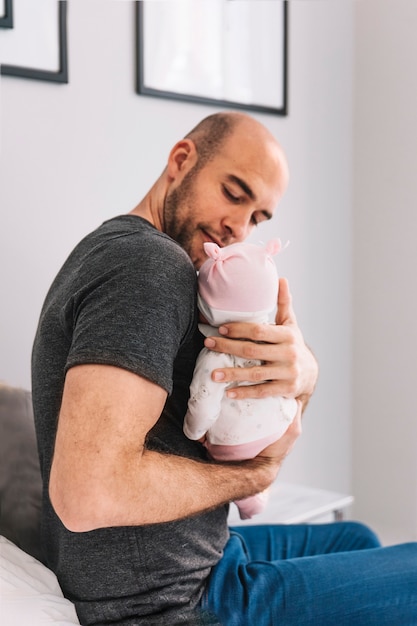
(237, 229)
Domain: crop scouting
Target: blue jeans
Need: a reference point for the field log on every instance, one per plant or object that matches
(318, 574)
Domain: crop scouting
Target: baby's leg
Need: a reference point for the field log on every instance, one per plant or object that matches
(248, 507)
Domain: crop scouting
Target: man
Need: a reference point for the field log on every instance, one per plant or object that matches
(134, 515)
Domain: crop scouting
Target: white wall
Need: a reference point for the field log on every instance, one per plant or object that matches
(73, 155)
(316, 217)
(385, 262)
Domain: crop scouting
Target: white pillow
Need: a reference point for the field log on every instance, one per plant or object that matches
(29, 591)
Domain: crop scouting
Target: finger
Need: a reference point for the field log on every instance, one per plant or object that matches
(265, 341)
(267, 333)
(267, 389)
(256, 374)
(285, 313)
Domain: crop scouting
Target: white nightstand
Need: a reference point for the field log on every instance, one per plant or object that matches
(295, 504)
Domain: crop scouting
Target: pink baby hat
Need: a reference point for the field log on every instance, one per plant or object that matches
(241, 277)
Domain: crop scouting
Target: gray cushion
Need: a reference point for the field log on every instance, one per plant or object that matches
(20, 479)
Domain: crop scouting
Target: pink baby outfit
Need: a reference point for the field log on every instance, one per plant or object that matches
(236, 283)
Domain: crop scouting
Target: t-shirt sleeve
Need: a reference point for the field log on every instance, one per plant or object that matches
(134, 308)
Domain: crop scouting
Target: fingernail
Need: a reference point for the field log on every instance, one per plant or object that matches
(218, 376)
(209, 342)
(231, 394)
(223, 330)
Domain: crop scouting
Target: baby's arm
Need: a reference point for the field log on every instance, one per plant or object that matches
(205, 394)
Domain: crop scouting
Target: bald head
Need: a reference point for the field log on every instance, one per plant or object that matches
(211, 134)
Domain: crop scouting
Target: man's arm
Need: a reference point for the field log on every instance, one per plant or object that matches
(289, 367)
(102, 475)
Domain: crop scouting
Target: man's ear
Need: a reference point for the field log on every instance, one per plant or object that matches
(182, 158)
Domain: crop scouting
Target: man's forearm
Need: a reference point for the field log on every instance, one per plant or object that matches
(176, 487)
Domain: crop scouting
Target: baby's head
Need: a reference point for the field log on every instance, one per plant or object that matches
(238, 282)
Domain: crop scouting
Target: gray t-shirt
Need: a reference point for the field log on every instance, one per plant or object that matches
(126, 297)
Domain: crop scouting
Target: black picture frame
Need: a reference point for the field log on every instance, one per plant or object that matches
(142, 88)
(6, 20)
(59, 76)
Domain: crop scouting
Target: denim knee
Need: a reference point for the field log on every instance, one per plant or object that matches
(363, 536)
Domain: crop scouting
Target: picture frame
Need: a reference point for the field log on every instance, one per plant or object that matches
(6, 13)
(36, 47)
(226, 53)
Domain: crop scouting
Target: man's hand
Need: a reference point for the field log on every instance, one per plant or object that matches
(288, 367)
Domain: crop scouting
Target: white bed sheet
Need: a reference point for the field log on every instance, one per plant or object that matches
(30, 592)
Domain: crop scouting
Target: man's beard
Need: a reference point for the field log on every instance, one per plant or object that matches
(176, 227)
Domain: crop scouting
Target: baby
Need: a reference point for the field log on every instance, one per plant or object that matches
(236, 283)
